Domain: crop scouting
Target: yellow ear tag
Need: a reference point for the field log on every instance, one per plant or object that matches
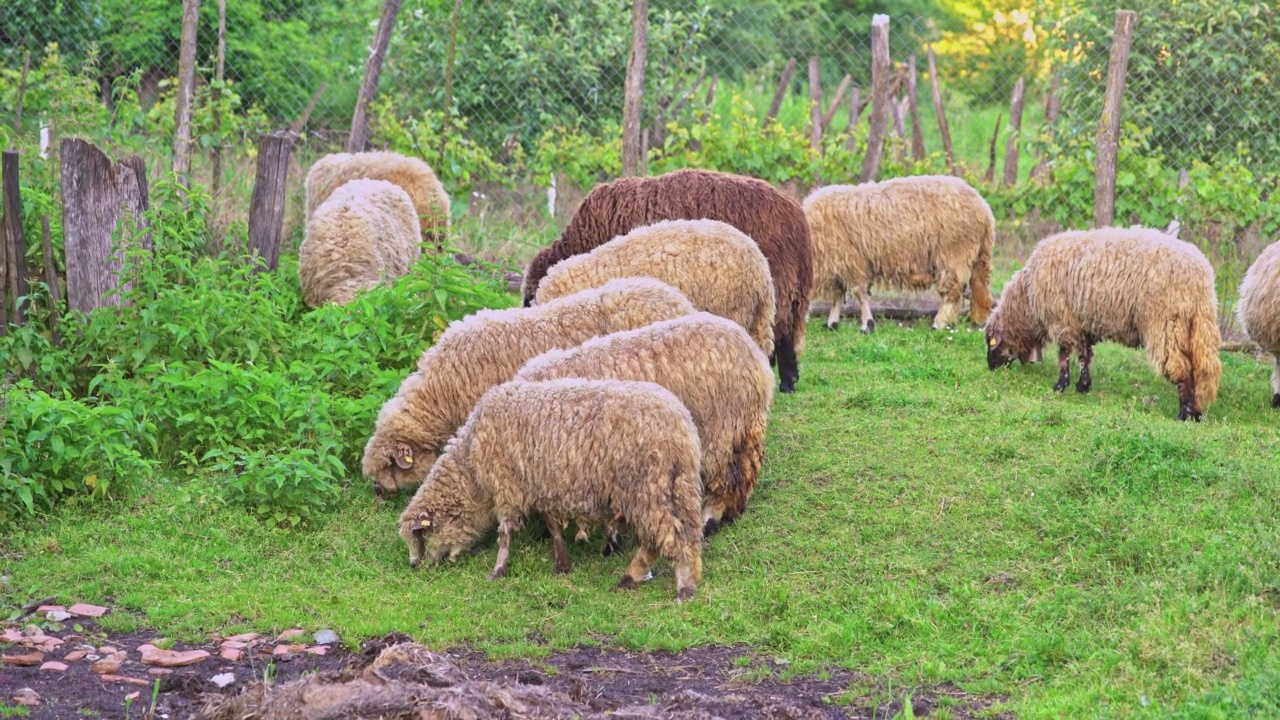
(408, 458)
(426, 523)
(993, 342)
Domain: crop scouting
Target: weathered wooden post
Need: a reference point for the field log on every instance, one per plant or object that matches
(780, 94)
(1012, 144)
(266, 208)
(15, 244)
(879, 97)
(633, 98)
(219, 76)
(834, 105)
(855, 111)
(99, 196)
(991, 159)
(1052, 106)
(359, 136)
(1108, 141)
(913, 104)
(815, 106)
(186, 87)
(941, 112)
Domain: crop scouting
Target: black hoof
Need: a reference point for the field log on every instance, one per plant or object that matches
(626, 583)
(870, 327)
(710, 528)
(611, 547)
(1186, 413)
(831, 326)
(684, 595)
(1060, 386)
(1275, 400)
(788, 386)
(1083, 387)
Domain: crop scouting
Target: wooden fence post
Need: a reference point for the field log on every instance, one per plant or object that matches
(917, 133)
(784, 83)
(879, 97)
(834, 105)
(359, 136)
(219, 76)
(186, 86)
(1108, 140)
(815, 106)
(940, 111)
(51, 280)
(97, 195)
(633, 98)
(22, 92)
(855, 112)
(266, 208)
(1051, 108)
(16, 250)
(1012, 144)
(448, 78)
(4, 281)
(991, 153)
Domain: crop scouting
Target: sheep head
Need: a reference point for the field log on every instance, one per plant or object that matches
(446, 515)
(401, 451)
(1003, 350)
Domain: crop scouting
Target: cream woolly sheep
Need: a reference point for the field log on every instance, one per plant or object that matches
(1140, 288)
(486, 349)
(430, 201)
(575, 450)
(363, 235)
(1259, 309)
(714, 264)
(713, 366)
(906, 233)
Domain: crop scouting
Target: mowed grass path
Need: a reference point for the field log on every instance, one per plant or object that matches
(920, 520)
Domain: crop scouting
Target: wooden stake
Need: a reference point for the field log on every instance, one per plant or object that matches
(855, 111)
(1051, 108)
(51, 280)
(1011, 147)
(16, 250)
(633, 98)
(835, 102)
(880, 71)
(784, 83)
(219, 75)
(941, 113)
(22, 92)
(266, 208)
(1108, 140)
(359, 137)
(301, 122)
(448, 78)
(991, 161)
(815, 106)
(913, 104)
(186, 87)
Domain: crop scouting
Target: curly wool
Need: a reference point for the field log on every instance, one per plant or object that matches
(774, 221)
(430, 201)
(365, 234)
(1259, 308)
(714, 264)
(1137, 287)
(574, 450)
(487, 348)
(905, 233)
(713, 366)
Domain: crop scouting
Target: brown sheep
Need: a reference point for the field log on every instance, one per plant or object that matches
(1137, 287)
(712, 365)
(486, 349)
(1259, 309)
(905, 233)
(714, 264)
(430, 201)
(581, 451)
(755, 207)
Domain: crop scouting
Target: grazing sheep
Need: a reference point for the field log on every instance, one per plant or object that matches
(713, 366)
(714, 264)
(1140, 288)
(430, 201)
(363, 235)
(486, 349)
(905, 233)
(1260, 309)
(575, 450)
(755, 207)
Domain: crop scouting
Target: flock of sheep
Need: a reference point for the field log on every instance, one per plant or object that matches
(632, 390)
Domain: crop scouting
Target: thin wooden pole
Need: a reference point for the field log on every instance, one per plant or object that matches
(301, 122)
(219, 75)
(633, 99)
(16, 250)
(51, 280)
(855, 111)
(879, 97)
(780, 94)
(22, 92)
(372, 71)
(1108, 140)
(1051, 108)
(448, 78)
(186, 88)
(941, 113)
(917, 133)
(991, 153)
(815, 106)
(835, 102)
(1012, 145)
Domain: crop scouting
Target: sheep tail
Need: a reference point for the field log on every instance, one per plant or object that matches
(1206, 364)
(980, 279)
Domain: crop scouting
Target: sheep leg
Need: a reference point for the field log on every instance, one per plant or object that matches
(788, 364)
(1187, 400)
(1275, 384)
(833, 317)
(1086, 357)
(638, 568)
(563, 565)
(1064, 368)
(864, 304)
(952, 292)
(504, 549)
(686, 581)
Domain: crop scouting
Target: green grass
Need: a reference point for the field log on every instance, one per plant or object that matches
(920, 520)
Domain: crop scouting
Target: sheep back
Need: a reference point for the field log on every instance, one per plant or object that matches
(904, 233)
(1259, 308)
(487, 348)
(430, 201)
(716, 370)
(715, 265)
(774, 221)
(364, 234)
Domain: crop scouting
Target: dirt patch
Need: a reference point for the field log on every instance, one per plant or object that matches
(393, 677)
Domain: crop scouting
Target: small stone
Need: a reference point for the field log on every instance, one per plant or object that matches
(108, 650)
(286, 649)
(230, 654)
(75, 655)
(27, 696)
(326, 637)
(31, 658)
(32, 631)
(125, 679)
(290, 634)
(45, 609)
(108, 665)
(318, 650)
(146, 647)
(223, 680)
(234, 644)
(245, 637)
(158, 671)
(48, 644)
(53, 666)
(11, 635)
(170, 658)
(58, 615)
(86, 610)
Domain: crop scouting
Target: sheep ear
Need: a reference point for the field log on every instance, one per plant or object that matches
(403, 458)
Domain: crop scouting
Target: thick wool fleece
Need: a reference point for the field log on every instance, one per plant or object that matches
(580, 451)
(714, 264)
(753, 206)
(487, 348)
(1138, 287)
(905, 233)
(713, 366)
(363, 235)
(1259, 309)
(430, 201)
